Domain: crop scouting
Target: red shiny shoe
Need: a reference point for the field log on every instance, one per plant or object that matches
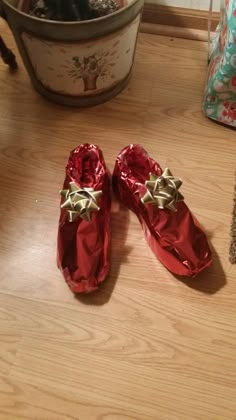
(84, 225)
(170, 229)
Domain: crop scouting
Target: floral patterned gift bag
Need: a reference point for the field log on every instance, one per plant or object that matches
(220, 93)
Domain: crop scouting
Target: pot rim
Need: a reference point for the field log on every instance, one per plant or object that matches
(71, 23)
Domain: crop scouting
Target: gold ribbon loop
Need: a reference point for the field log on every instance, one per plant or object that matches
(80, 202)
(163, 191)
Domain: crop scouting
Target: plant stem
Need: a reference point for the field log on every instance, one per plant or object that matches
(67, 10)
(24, 5)
(84, 9)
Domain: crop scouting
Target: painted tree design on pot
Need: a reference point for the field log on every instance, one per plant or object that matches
(90, 67)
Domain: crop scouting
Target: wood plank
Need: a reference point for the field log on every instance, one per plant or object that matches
(146, 346)
(179, 17)
(174, 31)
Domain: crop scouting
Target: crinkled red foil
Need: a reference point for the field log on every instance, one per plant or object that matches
(83, 247)
(175, 237)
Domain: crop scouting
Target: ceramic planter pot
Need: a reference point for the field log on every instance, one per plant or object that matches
(77, 63)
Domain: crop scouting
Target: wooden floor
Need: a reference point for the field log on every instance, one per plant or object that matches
(146, 346)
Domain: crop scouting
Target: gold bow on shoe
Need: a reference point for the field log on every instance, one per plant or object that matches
(163, 191)
(80, 202)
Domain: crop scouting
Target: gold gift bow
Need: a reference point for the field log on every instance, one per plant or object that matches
(80, 202)
(163, 191)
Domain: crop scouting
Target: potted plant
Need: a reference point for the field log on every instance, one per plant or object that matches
(77, 52)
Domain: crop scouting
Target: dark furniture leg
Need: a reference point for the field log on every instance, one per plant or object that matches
(7, 55)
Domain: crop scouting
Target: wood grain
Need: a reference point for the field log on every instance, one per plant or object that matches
(146, 346)
(174, 31)
(179, 17)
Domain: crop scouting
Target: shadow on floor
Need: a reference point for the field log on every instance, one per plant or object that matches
(209, 281)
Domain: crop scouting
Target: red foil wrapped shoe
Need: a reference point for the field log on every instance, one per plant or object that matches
(84, 225)
(170, 229)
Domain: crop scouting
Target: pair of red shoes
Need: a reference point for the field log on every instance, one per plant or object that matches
(170, 229)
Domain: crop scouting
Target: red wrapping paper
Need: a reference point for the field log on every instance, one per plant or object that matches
(83, 246)
(175, 237)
